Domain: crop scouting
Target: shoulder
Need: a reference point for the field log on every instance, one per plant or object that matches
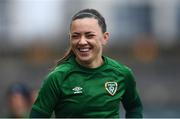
(118, 66)
(62, 69)
(55, 77)
(122, 70)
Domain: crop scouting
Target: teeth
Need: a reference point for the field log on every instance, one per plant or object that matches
(84, 49)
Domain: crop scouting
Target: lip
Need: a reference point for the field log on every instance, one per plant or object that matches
(84, 51)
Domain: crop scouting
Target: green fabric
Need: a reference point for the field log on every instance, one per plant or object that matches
(37, 114)
(72, 90)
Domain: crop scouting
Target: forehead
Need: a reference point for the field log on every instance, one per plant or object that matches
(85, 25)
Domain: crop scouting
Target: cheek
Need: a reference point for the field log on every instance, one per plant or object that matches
(73, 43)
(102, 41)
(73, 46)
(98, 43)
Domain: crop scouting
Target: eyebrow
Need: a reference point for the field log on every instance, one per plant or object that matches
(77, 33)
(89, 32)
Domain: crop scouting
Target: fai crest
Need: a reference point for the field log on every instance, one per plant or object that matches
(111, 87)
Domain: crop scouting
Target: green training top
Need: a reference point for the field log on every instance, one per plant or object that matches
(72, 90)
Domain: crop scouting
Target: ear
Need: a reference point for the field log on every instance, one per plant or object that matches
(105, 38)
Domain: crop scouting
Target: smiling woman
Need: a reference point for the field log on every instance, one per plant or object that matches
(85, 83)
(87, 40)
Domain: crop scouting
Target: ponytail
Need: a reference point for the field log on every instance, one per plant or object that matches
(68, 54)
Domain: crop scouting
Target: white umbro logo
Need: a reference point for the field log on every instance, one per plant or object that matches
(77, 90)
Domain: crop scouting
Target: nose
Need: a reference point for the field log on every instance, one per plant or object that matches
(82, 41)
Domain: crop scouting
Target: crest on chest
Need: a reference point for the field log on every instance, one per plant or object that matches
(111, 87)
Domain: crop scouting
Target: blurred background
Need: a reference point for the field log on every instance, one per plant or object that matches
(144, 35)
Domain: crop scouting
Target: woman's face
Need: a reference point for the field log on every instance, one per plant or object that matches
(87, 40)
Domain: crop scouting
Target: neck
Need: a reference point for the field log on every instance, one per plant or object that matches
(93, 64)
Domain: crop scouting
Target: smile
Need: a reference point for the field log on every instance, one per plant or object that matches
(84, 49)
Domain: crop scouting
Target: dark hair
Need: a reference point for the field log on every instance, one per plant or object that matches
(85, 13)
(91, 13)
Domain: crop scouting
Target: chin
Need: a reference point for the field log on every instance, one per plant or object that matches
(84, 59)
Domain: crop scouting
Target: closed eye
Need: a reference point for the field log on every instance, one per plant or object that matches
(75, 36)
(90, 36)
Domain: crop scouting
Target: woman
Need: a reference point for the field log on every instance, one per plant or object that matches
(85, 83)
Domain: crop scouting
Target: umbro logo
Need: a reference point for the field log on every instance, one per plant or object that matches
(77, 90)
